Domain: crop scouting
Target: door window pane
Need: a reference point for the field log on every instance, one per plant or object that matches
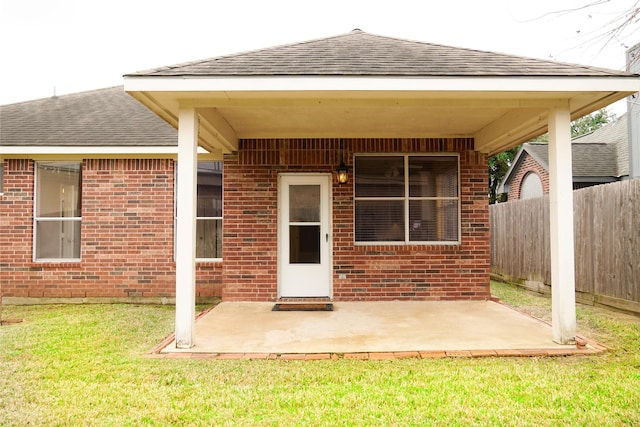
(304, 203)
(304, 244)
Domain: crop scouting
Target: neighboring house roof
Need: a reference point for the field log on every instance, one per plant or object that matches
(611, 133)
(103, 117)
(616, 133)
(363, 54)
(601, 154)
(595, 159)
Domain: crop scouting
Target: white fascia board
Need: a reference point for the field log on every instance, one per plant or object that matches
(354, 83)
(90, 151)
(112, 151)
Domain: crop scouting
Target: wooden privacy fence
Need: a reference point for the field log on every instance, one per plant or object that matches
(607, 243)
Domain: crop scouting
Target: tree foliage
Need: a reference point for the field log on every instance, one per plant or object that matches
(498, 166)
(591, 122)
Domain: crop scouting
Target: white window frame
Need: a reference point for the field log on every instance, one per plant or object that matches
(175, 211)
(531, 178)
(1, 176)
(406, 199)
(37, 219)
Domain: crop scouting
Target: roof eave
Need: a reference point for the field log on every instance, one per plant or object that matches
(506, 180)
(103, 152)
(626, 84)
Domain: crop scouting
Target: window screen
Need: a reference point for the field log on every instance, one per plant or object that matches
(209, 211)
(57, 210)
(406, 198)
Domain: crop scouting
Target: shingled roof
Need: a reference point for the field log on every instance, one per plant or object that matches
(617, 134)
(602, 153)
(363, 54)
(103, 117)
(589, 160)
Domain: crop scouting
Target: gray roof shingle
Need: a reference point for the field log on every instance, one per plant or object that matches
(363, 54)
(601, 153)
(611, 133)
(103, 117)
(616, 134)
(589, 160)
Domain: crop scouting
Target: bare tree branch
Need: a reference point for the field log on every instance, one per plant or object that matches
(616, 30)
(567, 11)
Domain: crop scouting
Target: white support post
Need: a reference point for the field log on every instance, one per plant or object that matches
(563, 287)
(186, 227)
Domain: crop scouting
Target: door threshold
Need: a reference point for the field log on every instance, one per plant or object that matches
(300, 300)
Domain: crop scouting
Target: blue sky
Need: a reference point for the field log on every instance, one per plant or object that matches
(77, 45)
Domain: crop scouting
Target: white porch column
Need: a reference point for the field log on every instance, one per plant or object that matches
(186, 226)
(563, 296)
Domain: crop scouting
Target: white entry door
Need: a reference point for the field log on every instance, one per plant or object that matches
(304, 241)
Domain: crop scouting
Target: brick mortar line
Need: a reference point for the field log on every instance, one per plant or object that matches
(391, 355)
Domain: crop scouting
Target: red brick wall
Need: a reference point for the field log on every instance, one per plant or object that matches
(528, 164)
(127, 235)
(127, 230)
(421, 272)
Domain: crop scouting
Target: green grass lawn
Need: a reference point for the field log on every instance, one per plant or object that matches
(83, 365)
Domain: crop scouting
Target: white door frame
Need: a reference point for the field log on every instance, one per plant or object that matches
(326, 240)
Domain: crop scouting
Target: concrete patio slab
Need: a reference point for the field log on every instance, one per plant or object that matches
(471, 328)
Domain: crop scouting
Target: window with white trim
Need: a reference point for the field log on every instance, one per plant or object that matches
(58, 215)
(406, 199)
(208, 211)
(531, 186)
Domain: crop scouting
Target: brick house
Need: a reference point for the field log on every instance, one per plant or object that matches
(410, 126)
(599, 157)
(100, 167)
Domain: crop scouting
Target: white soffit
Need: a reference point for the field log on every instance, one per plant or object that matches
(499, 112)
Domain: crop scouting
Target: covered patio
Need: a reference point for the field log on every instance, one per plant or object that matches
(372, 330)
(392, 97)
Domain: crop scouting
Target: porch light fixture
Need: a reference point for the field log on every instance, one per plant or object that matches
(342, 173)
(342, 168)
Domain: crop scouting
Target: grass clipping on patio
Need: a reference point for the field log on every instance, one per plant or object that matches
(83, 365)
